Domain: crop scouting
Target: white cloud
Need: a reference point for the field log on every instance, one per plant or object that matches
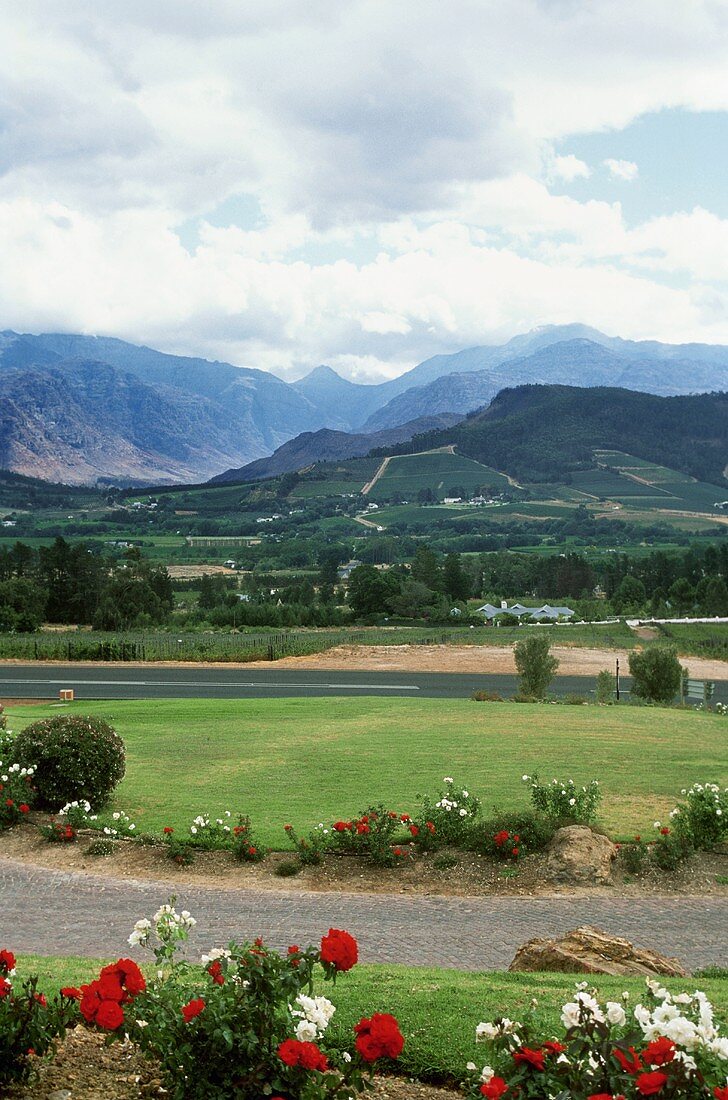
(399, 158)
(622, 169)
(570, 168)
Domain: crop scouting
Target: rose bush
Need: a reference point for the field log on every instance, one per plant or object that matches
(74, 758)
(245, 1023)
(17, 793)
(565, 803)
(669, 1046)
(29, 1021)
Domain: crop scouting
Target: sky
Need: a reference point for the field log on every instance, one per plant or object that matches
(284, 183)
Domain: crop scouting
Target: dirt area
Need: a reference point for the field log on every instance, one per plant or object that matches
(459, 874)
(85, 1069)
(192, 572)
(573, 660)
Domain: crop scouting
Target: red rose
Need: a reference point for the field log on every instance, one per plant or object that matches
(659, 1052)
(514, 853)
(24, 808)
(109, 988)
(110, 1015)
(339, 949)
(192, 1008)
(71, 992)
(720, 1093)
(362, 828)
(167, 830)
(604, 1096)
(664, 831)
(7, 961)
(500, 838)
(128, 974)
(5, 988)
(405, 817)
(526, 1056)
(40, 999)
(90, 1001)
(429, 825)
(648, 1084)
(294, 950)
(494, 1088)
(414, 830)
(9, 803)
(342, 826)
(630, 1062)
(554, 1048)
(215, 972)
(294, 1053)
(379, 1037)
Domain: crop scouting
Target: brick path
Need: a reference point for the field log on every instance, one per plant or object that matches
(66, 913)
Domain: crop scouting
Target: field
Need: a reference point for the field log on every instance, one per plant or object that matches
(438, 1010)
(446, 474)
(668, 488)
(309, 760)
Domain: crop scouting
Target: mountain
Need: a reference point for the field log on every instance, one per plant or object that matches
(544, 433)
(329, 446)
(153, 417)
(579, 360)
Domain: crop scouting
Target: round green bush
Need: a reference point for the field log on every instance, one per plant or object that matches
(75, 758)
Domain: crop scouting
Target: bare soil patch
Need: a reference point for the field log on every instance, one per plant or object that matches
(191, 572)
(85, 1069)
(467, 875)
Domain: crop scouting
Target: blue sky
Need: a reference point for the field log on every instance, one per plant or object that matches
(290, 182)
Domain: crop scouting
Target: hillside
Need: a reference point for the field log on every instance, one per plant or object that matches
(328, 446)
(545, 433)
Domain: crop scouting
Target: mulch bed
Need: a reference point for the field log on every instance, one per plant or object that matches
(86, 1069)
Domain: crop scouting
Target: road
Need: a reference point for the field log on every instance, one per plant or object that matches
(92, 915)
(43, 681)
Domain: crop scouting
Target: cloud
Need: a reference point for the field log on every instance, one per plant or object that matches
(570, 168)
(398, 160)
(622, 169)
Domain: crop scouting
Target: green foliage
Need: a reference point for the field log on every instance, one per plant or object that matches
(670, 850)
(565, 803)
(656, 674)
(634, 856)
(444, 861)
(22, 605)
(606, 687)
(372, 835)
(29, 1022)
(246, 848)
(74, 758)
(703, 817)
(310, 849)
(452, 815)
(535, 664)
(100, 848)
(533, 829)
(486, 697)
(287, 868)
(18, 793)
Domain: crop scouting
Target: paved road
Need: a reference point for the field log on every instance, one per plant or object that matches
(43, 681)
(52, 912)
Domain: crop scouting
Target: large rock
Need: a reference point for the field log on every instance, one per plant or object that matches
(590, 951)
(578, 857)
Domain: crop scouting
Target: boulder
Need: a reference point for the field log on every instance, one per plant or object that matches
(578, 857)
(591, 951)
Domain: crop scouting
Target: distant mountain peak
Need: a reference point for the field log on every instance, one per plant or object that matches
(321, 373)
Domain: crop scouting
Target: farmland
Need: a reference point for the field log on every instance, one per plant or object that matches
(442, 472)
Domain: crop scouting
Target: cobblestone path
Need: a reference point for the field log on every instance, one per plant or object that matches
(66, 913)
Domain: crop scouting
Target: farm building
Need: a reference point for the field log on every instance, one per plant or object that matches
(519, 610)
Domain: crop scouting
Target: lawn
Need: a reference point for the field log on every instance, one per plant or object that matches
(438, 1010)
(309, 760)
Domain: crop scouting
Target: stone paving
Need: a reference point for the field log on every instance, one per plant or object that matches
(50, 912)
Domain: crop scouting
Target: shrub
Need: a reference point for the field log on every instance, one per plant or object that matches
(565, 803)
(656, 674)
(58, 832)
(533, 830)
(29, 1022)
(287, 868)
(667, 1046)
(572, 699)
(372, 835)
(100, 848)
(246, 1023)
(703, 817)
(486, 697)
(671, 849)
(178, 850)
(309, 849)
(209, 835)
(606, 687)
(536, 667)
(74, 758)
(451, 818)
(245, 847)
(16, 793)
(634, 856)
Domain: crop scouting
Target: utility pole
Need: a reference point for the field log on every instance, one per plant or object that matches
(617, 681)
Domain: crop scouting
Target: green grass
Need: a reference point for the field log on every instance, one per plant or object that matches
(309, 760)
(438, 1010)
(440, 471)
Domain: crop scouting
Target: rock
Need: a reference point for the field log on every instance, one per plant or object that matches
(591, 951)
(578, 857)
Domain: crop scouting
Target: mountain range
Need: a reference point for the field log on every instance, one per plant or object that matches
(85, 409)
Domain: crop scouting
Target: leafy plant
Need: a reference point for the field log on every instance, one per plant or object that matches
(245, 847)
(634, 856)
(671, 849)
(656, 674)
(606, 687)
(30, 1022)
(565, 803)
(535, 665)
(450, 819)
(309, 849)
(703, 816)
(74, 758)
(17, 793)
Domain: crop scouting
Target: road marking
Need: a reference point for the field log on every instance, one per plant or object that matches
(213, 683)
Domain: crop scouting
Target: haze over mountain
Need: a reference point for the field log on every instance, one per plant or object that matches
(81, 408)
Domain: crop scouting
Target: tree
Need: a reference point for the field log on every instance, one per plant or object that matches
(22, 604)
(535, 664)
(714, 600)
(455, 581)
(370, 590)
(629, 596)
(656, 674)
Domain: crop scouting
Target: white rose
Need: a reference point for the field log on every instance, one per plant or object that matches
(616, 1014)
